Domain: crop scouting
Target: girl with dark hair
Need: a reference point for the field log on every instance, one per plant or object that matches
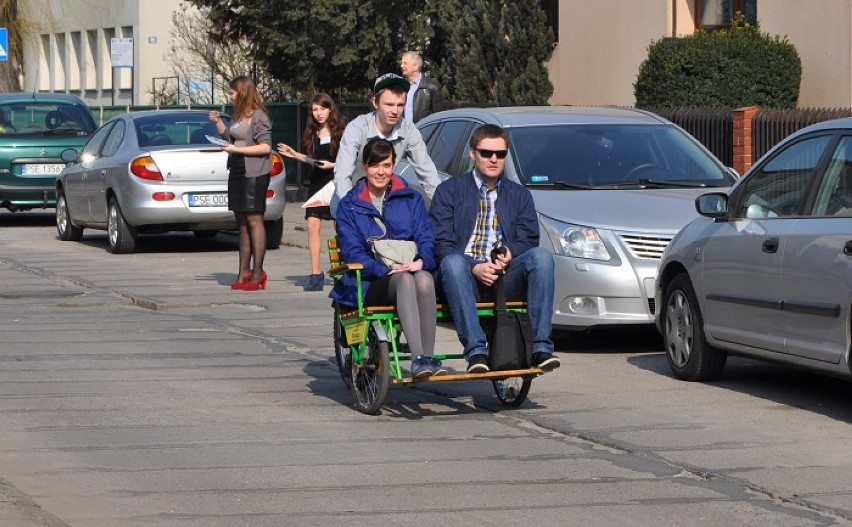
(321, 140)
(382, 205)
(249, 165)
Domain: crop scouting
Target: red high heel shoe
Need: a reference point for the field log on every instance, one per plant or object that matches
(254, 286)
(240, 283)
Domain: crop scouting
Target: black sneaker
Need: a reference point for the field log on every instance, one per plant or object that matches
(478, 364)
(545, 361)
(314, 282)
(421, 366)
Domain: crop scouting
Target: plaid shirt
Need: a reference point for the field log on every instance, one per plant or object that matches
(486, 233)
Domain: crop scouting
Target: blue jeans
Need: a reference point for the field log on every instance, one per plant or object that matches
(529, 276)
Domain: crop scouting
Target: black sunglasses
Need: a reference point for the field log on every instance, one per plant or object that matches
(501, 154)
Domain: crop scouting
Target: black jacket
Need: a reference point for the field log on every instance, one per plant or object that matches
(427, 99)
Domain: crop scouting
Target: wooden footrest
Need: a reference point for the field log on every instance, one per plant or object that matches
(372, 310)
(464, 376)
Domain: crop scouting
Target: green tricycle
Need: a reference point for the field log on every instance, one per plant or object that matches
(369, 352)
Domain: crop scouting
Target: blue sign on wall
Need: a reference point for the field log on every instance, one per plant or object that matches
(4, 44)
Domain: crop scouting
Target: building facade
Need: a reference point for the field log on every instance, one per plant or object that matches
(71, 46)
(600, 45)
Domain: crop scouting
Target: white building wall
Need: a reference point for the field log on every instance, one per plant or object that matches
(68, 49)
(823, 39)
(603, 42)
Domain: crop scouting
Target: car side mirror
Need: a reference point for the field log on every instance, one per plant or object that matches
(69, 155)
(712, 205)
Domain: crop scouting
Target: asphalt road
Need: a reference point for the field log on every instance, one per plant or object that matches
(139, 390)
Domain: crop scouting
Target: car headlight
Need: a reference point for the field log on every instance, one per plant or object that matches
(576, 240)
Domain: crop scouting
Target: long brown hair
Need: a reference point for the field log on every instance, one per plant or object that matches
(247, 99)
(336, 124)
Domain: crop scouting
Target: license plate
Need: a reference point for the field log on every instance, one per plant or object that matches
(208, 200)
(43, 169)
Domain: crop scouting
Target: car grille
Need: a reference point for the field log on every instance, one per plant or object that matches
(643, 246)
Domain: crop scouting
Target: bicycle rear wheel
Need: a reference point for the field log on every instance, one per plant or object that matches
(512, 391)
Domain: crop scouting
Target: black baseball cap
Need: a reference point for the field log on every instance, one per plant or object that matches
(390, 79)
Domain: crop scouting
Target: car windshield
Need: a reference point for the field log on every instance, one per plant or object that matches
(613, 157)
(175, 128)
(45, 118)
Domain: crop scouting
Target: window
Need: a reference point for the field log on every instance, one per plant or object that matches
(834, 197)
(114, 140)
(447, 143)
(93, 146)
(778, 189)
(717, 14)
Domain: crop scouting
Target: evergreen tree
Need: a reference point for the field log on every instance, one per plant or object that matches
(336, 46)
(494, 51)
(480, 51)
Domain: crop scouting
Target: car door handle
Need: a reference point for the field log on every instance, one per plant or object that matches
(847, 249)
(770, 245)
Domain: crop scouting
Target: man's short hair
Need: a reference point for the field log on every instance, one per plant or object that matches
(415, 58)
(489, 131)
(392, 82)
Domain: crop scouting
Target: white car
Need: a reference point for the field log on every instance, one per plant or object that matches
(152, 172)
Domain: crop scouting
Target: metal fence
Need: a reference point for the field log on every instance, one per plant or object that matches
(771, 125)
(712, 127)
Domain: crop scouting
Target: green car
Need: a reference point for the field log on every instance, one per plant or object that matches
(34, 129)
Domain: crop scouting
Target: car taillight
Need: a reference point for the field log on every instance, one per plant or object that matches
(145, 168)
(277, 165)
(270, 193)
(163, 196)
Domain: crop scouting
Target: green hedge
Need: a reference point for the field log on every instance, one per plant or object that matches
(736, 67)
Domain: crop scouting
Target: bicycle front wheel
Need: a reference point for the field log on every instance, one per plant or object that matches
(371, 377)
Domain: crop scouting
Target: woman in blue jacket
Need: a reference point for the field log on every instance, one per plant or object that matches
(386, 197)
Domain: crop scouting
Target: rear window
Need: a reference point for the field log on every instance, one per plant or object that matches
(175, 128)
(613, 155)
(46, 118)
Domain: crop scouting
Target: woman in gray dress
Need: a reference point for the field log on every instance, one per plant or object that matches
(249, 165)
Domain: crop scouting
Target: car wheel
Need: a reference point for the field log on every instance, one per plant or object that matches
(68, 232)
(274, 233)
(205, 235)
(690, 356)
(122, 237)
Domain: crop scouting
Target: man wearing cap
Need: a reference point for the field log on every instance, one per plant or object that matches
(389, 93)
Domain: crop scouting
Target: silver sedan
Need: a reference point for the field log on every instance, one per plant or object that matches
(766, 271)
(612, 186)
(152, 172)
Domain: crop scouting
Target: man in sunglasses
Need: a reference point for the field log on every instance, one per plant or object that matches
(473, 214)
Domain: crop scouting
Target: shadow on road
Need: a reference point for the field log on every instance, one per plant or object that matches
(412, 403)
(40, 218)
(627, 339)
(782, 385)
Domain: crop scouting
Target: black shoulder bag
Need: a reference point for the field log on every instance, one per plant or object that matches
(509, 334)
